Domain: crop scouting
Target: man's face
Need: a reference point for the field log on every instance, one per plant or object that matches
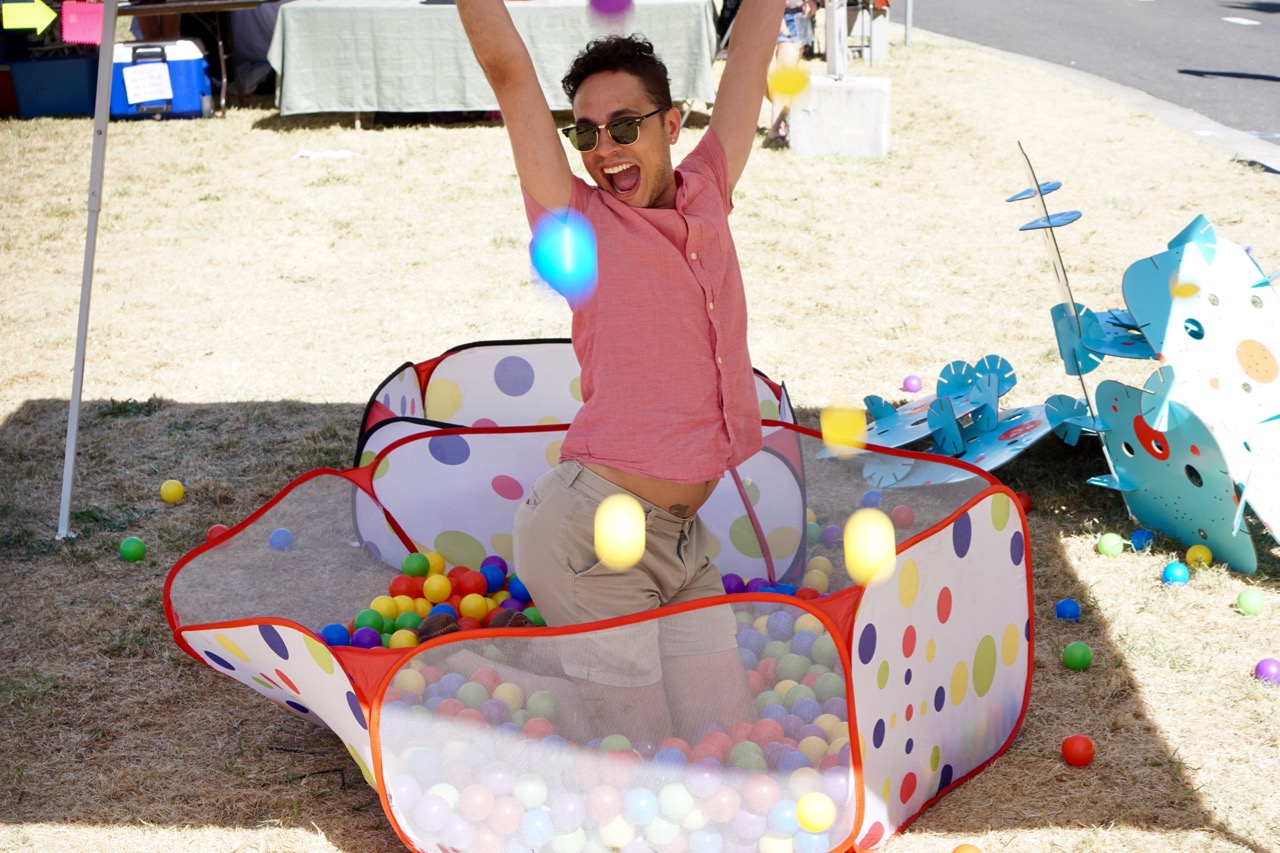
(639, 174)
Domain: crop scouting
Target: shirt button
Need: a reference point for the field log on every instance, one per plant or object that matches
(693, 256)
(719, 360)
(711, 306)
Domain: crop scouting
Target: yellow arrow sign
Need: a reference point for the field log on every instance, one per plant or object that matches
(33, 15)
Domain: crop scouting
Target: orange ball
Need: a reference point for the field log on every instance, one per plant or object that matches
(1077, 750)
(966, 848)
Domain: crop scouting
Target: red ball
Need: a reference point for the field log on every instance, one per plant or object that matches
(755, 682)
(535, 727)
(678, 743)
(486, 676)
(902, 516)
(720, 743)
(1077, 750)
(404, 585)
(471, 583)
(617, 767)
(215, 531)
(449, 707)
(807, 593)
(768, 669)
(466, 623)
(454, 601)
(739, 731)
(1025, 500)
(471, 715)
(766, 731)
(810, 679)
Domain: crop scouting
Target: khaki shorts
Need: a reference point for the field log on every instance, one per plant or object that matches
(555, 558)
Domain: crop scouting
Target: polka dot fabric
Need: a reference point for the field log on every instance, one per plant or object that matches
(941, 661)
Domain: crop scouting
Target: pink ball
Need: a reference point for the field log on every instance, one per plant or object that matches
(722, 805)
(488, 677)
(604, 803)
(761, 793)
(912, 384)
(535, 728)
(505, 816)
(475, 802)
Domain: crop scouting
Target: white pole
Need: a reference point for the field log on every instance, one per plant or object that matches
(837, 24)
(101, 114)
(908, 39)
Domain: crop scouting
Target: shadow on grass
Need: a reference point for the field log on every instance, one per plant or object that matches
(106, 723)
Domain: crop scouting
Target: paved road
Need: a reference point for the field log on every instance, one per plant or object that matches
(1220, 58)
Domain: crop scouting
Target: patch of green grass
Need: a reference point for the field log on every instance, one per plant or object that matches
(131, 408)
(95, 519)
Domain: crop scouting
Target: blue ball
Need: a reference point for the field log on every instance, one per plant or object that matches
(1175, 574)
(802, 643)
(443, 608)
(1068, 610)
(793, 761)
(536, 827)
(872, 499)
(784, 588)
(782, 818)
(281, 539)
(749, 659)
(780, 625)
(705, 841)
(563, 251)
(670, 755)
(640, 805)
(811, 842)
(1141, 539)
(449, 683)
(518, 590)
(336, 635)
(494, 578)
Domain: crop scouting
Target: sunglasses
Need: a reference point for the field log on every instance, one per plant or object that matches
(624, 131)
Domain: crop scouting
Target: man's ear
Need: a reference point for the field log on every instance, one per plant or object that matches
(671, 124)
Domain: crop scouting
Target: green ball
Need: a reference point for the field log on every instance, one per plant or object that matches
(534, 616)
(828, 686)
(1077, 656)
(743, 751)
(795, 694)
(1249, 601)
(1110, 545)
(133, 549)
(472, 694)
(614, 743)
(408, 620)
(767, 698)
(369, 619)
(792, 667)
(824, 651)
(415, 564)
(543, 703)
(776, 649)
(813, 532)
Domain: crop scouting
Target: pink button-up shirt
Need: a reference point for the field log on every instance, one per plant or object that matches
(667, 386)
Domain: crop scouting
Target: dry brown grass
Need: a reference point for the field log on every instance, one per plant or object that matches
(252, 300)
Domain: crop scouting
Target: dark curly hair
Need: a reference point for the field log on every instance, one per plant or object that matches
(632, 54)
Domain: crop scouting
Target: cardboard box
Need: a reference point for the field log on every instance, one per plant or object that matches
(55, 86)
(154, 79)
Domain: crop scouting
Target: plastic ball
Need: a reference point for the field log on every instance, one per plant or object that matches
(1141, 539)
(1068, 610)
(535, 616)
(788, 82)
(366, 638)
(1249, 602)
(912, 384)
(610, 8)
(844, 430)
(640, 805)
(215, 530)
(815, 812)
(902, 516)
(1268, 670)
(133, 549)
(871, 498)
(171, 491)
(495, 577)
(1077, 656)
(475, 606)
(436, 588)
(563, 251)
(415, 564)
(536, 828)
(1175, 574)
(620, 531)
(733, 583)
(1199, 556)
(1025, 500)
(870, 548)
(543, 703)
(335, 635)
(281, 539)
(1077, 750)
(403, 638)
(966, 848)
(830, 535)
(1110, 544)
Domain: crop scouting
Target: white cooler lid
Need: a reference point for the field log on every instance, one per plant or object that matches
(174, 51)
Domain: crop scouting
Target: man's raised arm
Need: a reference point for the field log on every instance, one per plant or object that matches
(540, 159)
(742, 85)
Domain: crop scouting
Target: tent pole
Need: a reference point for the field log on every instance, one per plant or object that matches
(101, 114)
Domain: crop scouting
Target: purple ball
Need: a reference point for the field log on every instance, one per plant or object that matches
(457, 833)
(831, 535)
(1268, 670)
(838, 706)
(791, 725)
(512, 604)
(366, 638)
(702, 779)
(498, 779)
(755, 584)
(611, 8)
(835, 784)
(732, 583)
(645, 748)
(495, 712)
(773, 752)
(793, 761)
(431, 813)
(912, 384)
(810, 730)
(494, 560)
(568, 810)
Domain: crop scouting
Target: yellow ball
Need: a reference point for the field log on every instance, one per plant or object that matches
(820, 564)
(510, 695)
(436, 588)
(816, 749)
(966, 848)
(435, 563)
(620, 531)
(474, 605)
(386, 605)
(844, 430)
(171, 491)
(1199, 557)
(870, 547)
(809, 622)
(815, 812)
(783, 687)
(422, 607)
(409, 681)
(405, 638)
(404, 604)
(810, 516)
(788, 82)
(500, 596)
(817, 580)
(804, 781)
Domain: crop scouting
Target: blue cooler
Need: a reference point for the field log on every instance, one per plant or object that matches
(188, 79)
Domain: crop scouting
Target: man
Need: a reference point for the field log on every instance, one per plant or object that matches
(669, 400)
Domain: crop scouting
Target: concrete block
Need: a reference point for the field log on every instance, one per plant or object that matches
(869, 29)
(848, 116)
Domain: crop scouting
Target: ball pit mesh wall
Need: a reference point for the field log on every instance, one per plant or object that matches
(932, 663)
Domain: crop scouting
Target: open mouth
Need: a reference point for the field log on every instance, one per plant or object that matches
(624, 178)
